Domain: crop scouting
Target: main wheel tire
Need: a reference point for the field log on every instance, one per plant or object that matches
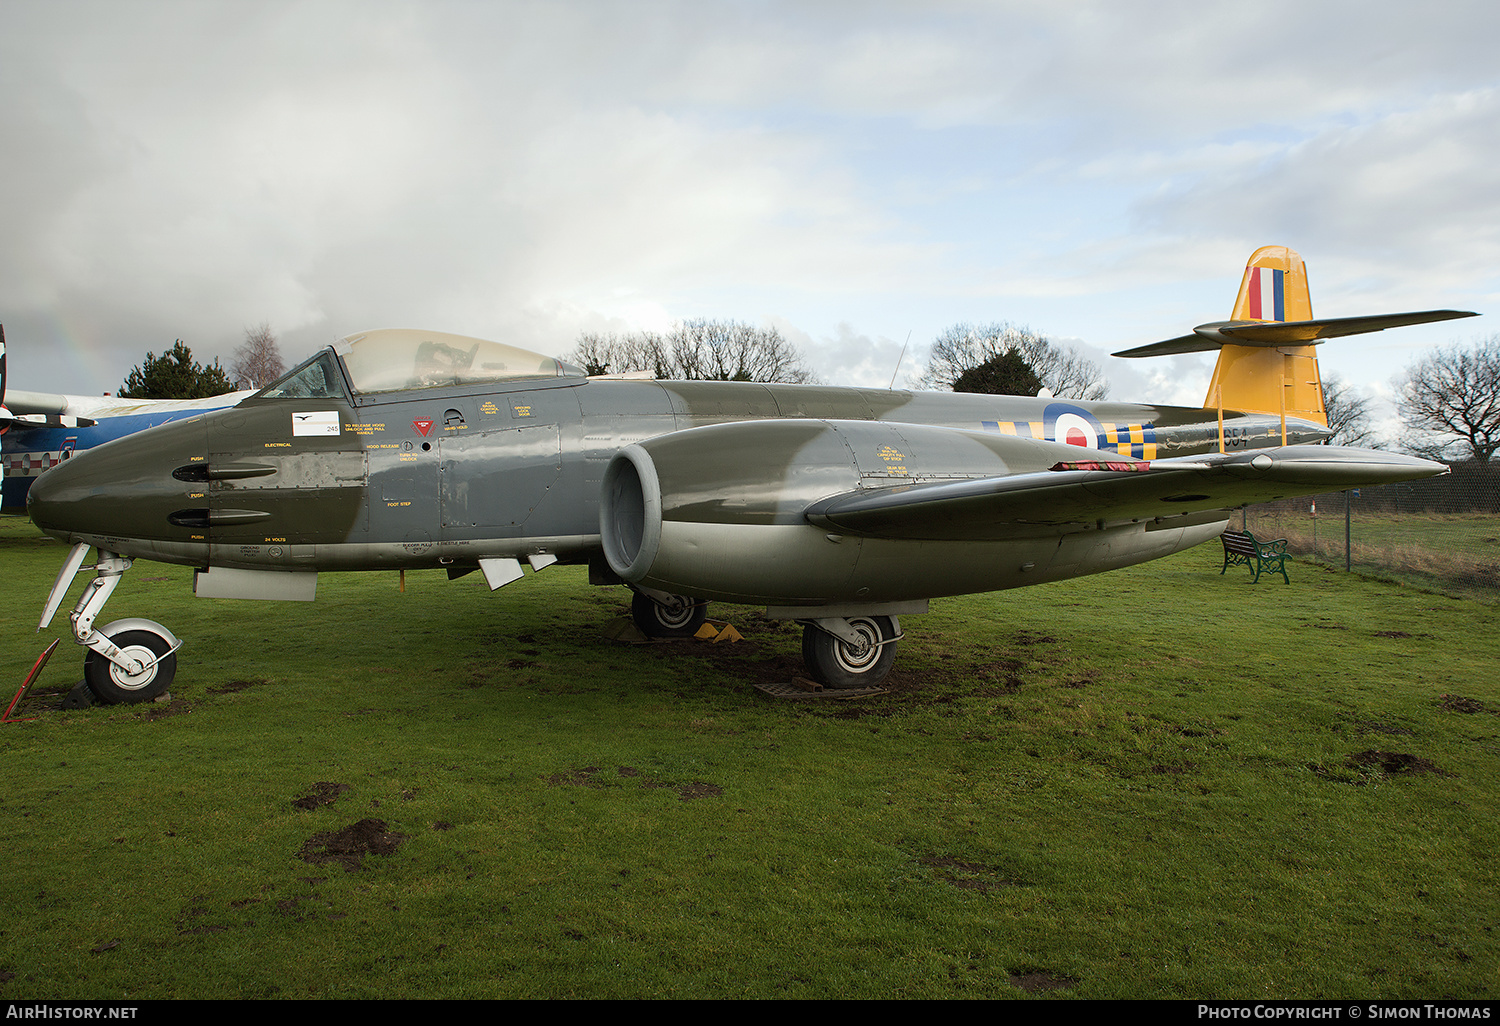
(113, 686)
(835, 663)
(658, 621)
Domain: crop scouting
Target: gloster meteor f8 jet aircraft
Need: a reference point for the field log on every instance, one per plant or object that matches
(845, 509)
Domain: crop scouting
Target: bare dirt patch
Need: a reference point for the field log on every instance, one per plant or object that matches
(575, 778)
(349, 846)
(1034, 981)
(1374, 727)
(1394, 762)
(699, 789)
(196, 908)
(231, 686)
(324, 792)
(1163, 769)
(968, 876)
(589, 777)
(1460, 704)
(156, 709)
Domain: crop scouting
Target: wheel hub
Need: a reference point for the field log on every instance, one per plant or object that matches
(135, 681)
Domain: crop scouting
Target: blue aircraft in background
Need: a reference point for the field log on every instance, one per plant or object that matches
(39, 430)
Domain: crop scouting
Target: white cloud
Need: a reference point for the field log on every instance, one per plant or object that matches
(847, 171)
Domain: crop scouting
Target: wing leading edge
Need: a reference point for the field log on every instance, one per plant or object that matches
(1103, 486)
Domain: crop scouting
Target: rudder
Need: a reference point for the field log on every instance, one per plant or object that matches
(1283, 380)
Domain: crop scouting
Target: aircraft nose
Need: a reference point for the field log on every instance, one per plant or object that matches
(121, 492)
(51, 500)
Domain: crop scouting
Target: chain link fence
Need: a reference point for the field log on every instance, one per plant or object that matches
(1442, 533)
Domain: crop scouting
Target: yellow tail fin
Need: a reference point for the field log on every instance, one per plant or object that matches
(1282, 380)
(1267, 360)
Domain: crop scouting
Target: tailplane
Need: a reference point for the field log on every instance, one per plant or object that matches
(1267, 361)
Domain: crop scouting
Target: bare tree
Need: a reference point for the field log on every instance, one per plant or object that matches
(1450, 400)
(610, 353)
(695, 350)
(1348, 413)
(964, 347)
(257, 362)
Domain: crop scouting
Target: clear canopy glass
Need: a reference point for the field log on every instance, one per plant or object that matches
(401, 359)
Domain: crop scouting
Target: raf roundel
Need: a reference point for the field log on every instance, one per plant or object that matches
(1073, 425)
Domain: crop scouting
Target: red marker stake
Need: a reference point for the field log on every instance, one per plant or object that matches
(30, 677)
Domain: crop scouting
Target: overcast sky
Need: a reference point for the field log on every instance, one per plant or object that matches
(852, 173)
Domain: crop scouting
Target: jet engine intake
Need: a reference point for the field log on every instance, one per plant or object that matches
(719, 512)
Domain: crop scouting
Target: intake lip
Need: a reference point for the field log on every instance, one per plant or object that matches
(630, 513)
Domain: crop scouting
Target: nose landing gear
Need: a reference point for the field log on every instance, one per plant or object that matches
(130, 660)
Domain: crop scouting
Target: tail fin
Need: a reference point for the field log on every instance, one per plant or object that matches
(1258, 379)
(1267, 363)
(1274, 287)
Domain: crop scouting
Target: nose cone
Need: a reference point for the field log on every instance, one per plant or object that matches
(122, 492)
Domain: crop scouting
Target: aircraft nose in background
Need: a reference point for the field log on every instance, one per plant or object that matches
(39, 502)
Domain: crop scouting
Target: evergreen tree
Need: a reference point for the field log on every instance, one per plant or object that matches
(1005, 374)
(175, 375)
(1063, 371)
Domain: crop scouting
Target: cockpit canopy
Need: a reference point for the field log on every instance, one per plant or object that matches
(405, 359)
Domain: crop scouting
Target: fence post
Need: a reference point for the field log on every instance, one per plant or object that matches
(1346, 531)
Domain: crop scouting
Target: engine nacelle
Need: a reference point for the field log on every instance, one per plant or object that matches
(717, 512)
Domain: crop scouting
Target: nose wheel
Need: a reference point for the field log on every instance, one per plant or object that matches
(113, 684)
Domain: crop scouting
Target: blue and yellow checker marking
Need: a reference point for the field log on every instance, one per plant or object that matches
(1064, 423)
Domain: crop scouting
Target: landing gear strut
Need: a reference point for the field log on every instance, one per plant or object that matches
(131, 660)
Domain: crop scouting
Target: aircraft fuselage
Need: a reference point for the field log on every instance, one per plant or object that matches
(446, 477)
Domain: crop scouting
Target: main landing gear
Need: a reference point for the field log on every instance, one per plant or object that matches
(857, 652)
(838, 652)
(130, 660)
(659, 615)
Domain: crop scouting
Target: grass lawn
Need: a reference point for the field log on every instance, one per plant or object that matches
(1457, 554)
(1160, 782)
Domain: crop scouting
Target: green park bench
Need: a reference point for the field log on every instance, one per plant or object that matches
(1260, 557)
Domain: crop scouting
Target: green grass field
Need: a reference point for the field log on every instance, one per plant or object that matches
(1459, 555)
(1156, 783)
